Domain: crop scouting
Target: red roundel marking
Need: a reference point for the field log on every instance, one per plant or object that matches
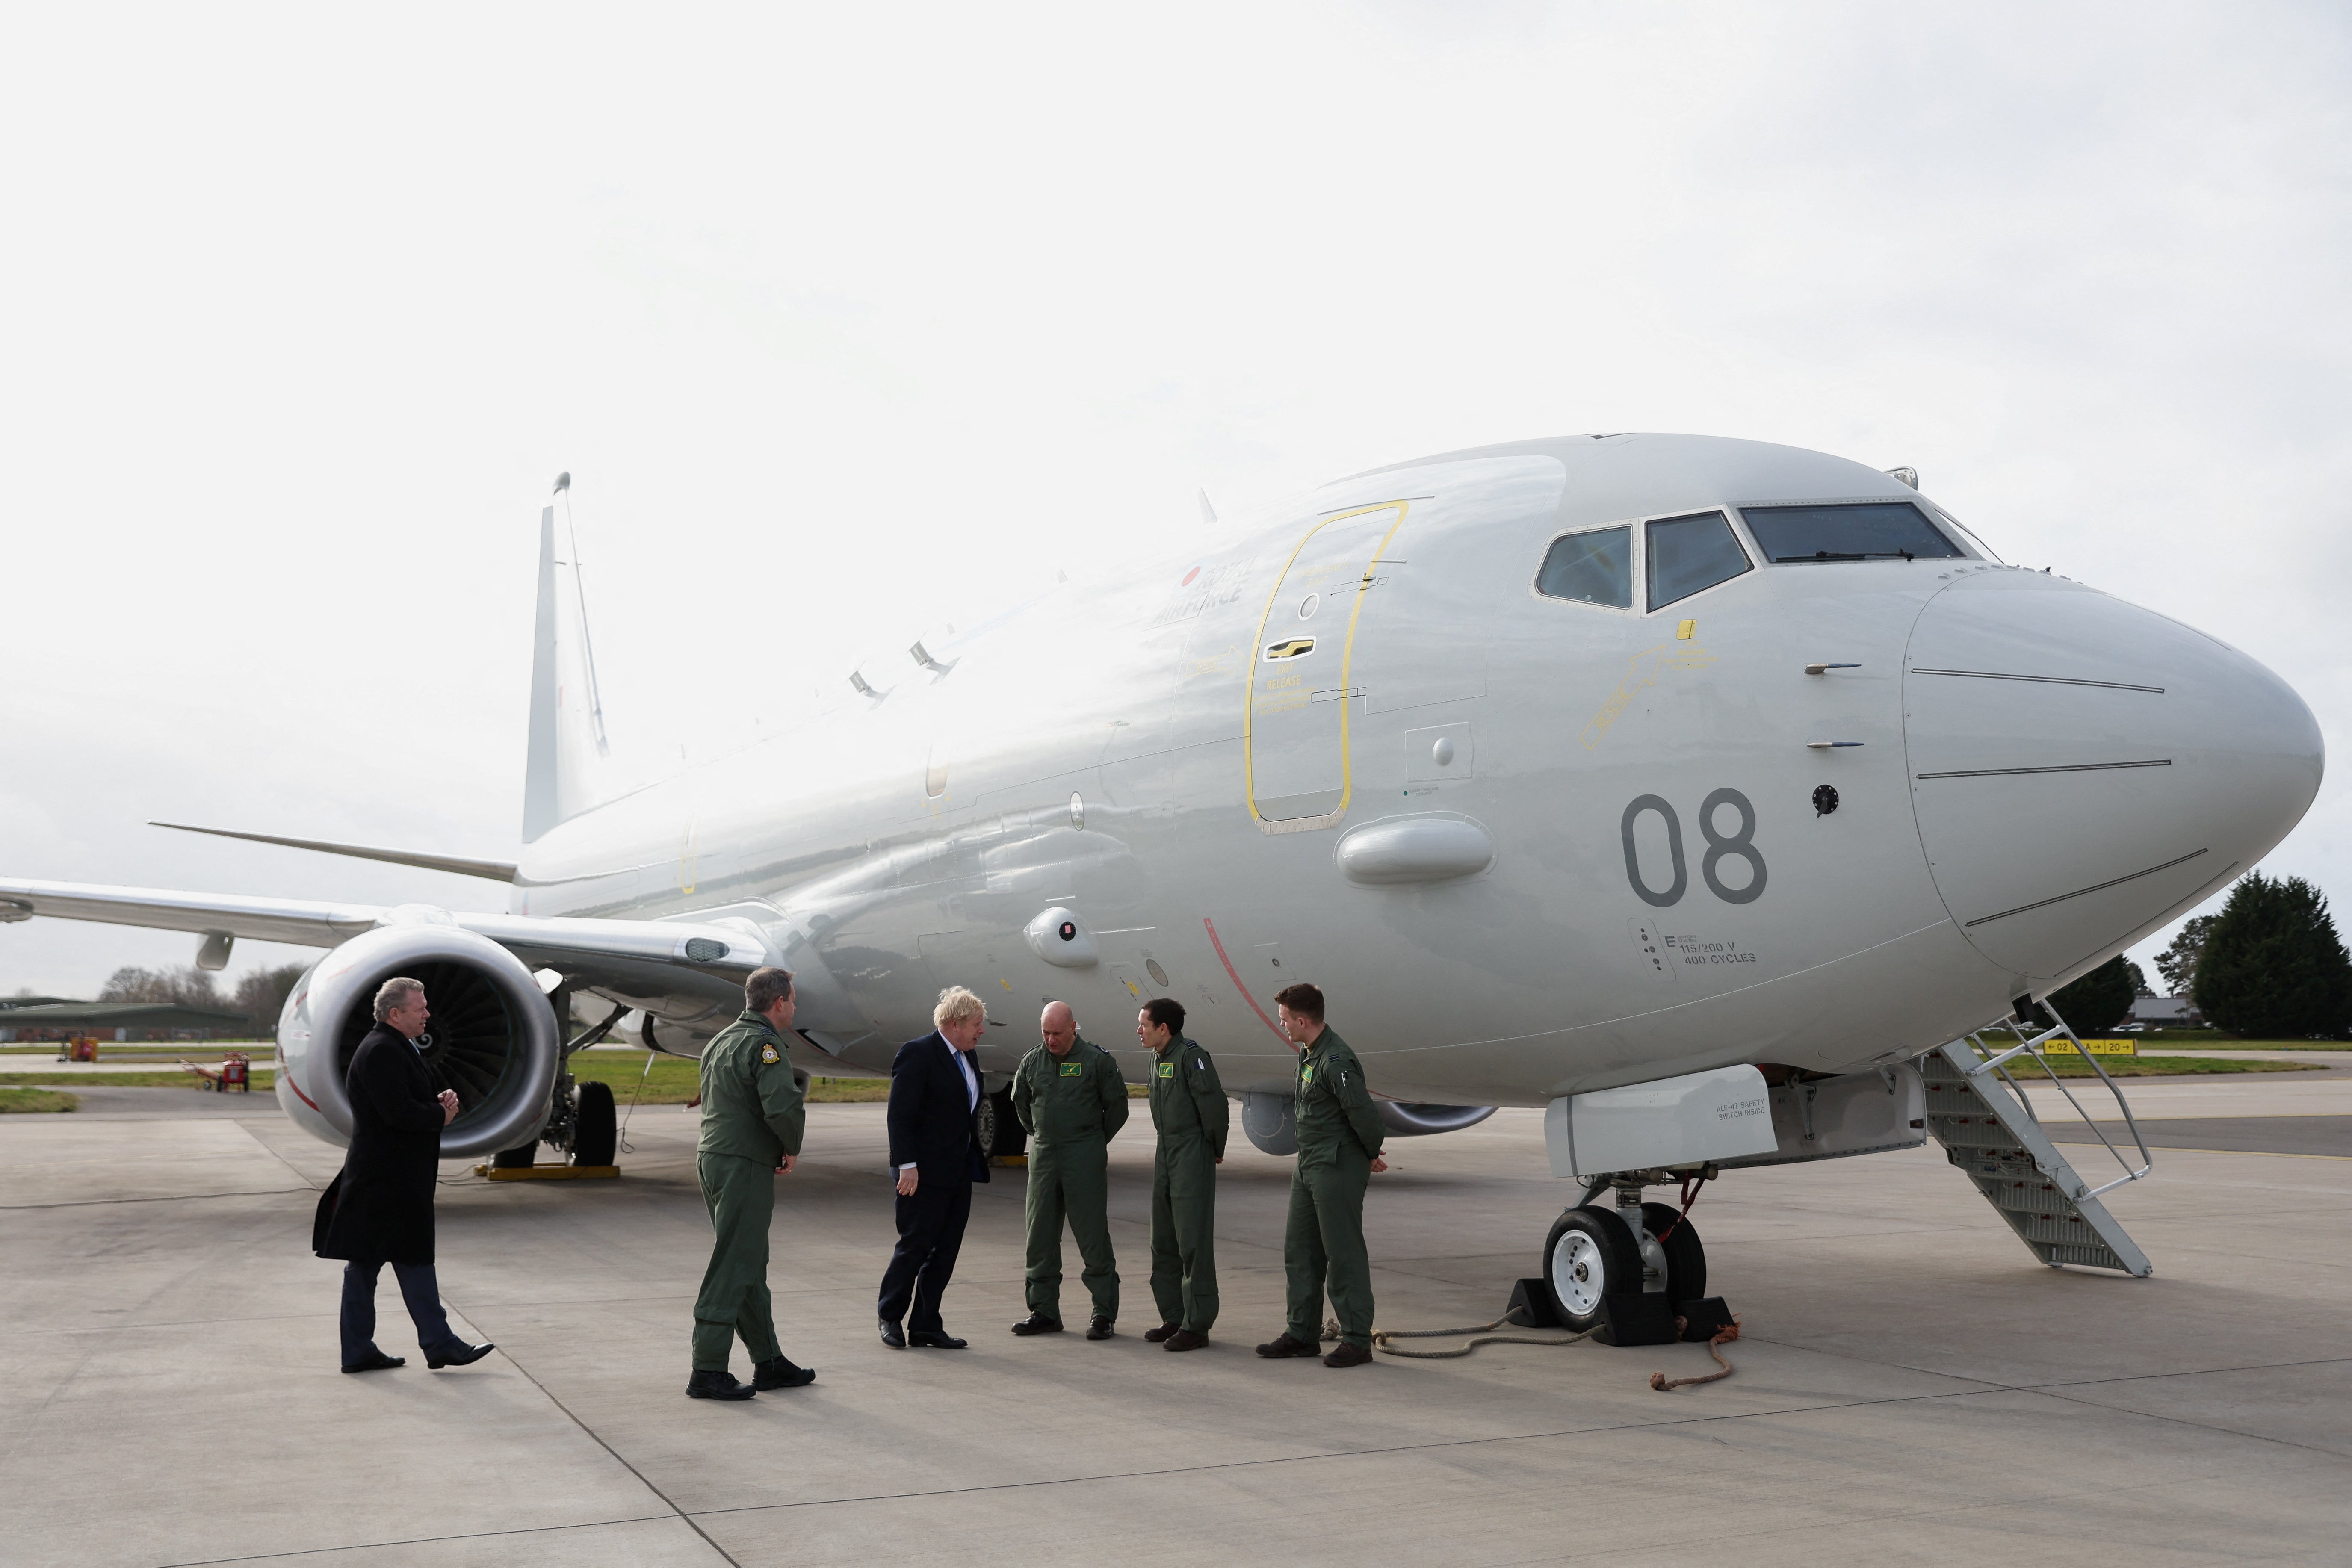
(1187, 583)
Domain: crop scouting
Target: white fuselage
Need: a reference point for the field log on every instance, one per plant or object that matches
(2043, 775)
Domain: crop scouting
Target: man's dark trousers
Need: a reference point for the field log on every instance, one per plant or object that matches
(930, 1234)
(418, 1287)
(734, 1302)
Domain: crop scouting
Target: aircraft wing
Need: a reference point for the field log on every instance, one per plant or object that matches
(259, 919)
(637, 956)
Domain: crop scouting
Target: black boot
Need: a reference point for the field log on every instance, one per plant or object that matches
(778, 1371)
(716, 1385)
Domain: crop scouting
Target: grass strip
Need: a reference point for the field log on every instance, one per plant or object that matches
(675, 1081)
(263, 1079)
(15, 1102)
(2027, 1073)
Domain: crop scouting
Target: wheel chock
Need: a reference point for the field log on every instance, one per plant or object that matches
(1637, 1318)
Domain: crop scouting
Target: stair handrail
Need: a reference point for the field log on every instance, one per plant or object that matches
(1998, 1064)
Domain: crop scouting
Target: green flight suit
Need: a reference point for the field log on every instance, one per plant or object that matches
(1070, 1106)
(1340, 1136)
(754, 1111)
(1190, 1112)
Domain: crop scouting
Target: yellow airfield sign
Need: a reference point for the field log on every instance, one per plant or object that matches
(2096, 1047)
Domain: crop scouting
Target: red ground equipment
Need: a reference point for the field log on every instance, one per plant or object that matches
(234, 1074)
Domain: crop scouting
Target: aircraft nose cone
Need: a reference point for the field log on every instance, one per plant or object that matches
(2084, 769)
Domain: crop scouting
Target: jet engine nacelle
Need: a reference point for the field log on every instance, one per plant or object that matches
(491, 1036)
(1271, 1120)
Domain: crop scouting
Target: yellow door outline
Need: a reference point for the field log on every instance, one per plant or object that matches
(1347, 661)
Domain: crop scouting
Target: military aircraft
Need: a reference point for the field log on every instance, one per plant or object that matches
(1695, 789)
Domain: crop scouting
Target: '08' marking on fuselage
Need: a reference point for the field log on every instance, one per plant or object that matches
(1739, 846)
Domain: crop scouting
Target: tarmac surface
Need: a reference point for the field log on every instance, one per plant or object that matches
(1912, 1386)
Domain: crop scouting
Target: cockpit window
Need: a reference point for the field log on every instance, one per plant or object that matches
(1869, 531)
(1688, 553)
(1596, 568)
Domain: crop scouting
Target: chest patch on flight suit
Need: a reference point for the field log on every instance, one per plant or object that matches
(768, 1053)
(1167, 1069)
(1307, 1075)
(1073, 1069)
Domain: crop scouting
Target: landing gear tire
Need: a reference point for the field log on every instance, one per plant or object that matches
(596, 1129)
(1685, 1259)
(1588, 1256)
(997, 1127)
(516, 1158)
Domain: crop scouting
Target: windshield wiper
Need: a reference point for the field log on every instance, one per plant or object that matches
(1843, 555)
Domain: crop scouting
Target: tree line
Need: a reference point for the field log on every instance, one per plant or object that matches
(261, 995)
(2270, 965)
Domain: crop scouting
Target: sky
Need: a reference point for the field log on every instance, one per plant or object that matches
(846, 319)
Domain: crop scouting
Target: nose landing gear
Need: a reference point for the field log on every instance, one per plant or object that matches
(1594, 1253)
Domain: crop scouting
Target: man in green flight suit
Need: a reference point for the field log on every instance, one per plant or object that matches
(1339, 1138)
(1070, 1099)
(1190, 1112)
(754, 1112)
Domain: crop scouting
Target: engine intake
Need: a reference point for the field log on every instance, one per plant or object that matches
(491, 1036)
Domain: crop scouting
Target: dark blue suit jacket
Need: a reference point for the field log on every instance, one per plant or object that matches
(933, 1123)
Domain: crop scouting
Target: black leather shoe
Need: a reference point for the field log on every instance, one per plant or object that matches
(935, 1340)
(1099, 1329)
(1282, 1344)
(1345, 1354)
(1155, 1335)
(377, 1362)
(778, 1371)
(716, 1385)
(1185, 1340)
(1038, 1323)
(891, 1335)
(464, 1356)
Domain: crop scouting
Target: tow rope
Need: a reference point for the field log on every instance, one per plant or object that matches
(1485, 1334)
(1723, 1336)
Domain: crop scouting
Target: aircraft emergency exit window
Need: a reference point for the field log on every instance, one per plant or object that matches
(1688, 553)
(1596, 568)
(1871, 530)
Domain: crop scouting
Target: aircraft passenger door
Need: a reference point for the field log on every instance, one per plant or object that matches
(1295, 730)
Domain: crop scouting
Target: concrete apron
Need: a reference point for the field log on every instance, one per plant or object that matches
(1913, 1386)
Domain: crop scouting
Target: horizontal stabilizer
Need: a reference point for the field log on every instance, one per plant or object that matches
(492, 870)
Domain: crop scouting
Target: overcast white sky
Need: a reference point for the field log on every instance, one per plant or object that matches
(841, 315)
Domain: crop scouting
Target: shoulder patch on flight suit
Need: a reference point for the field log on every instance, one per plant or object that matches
(768, 1053)
(1167, 1069)
(1073, 1069)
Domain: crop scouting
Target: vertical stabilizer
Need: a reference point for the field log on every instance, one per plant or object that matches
(562, 774)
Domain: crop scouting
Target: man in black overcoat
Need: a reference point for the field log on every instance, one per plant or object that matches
(379, 1209)
(935, 1151)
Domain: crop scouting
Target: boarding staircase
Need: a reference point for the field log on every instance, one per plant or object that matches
(1980, 1113)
